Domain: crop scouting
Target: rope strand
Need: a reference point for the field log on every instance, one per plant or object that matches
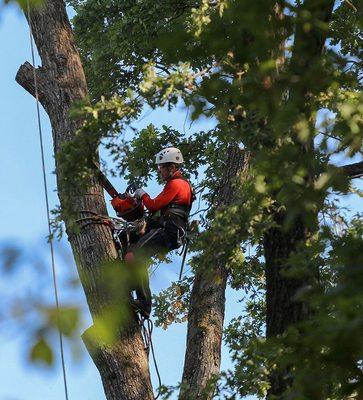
(56, 297)
(150, 329)
(147, 336)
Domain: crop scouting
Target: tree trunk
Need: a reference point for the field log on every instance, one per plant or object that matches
(207, 305)
(123, 364)
(283, 309)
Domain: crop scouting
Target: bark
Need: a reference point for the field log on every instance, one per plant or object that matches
(282, 307)
(207, 305)
(353, 170)
(123, 364)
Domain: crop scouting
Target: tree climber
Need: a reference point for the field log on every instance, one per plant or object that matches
(164, 232)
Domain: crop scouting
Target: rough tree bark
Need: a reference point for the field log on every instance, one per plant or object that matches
(283, 309)
(123, 365)
(207, 303)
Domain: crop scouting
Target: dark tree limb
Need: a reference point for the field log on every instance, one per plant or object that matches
(282, 307)
(279, 244)
(353, 170)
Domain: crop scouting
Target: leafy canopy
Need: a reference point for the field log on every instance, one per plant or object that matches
(257, 70)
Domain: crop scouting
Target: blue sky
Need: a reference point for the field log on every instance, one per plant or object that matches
(23, 221)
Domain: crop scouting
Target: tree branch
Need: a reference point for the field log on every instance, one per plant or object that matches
(353, 170)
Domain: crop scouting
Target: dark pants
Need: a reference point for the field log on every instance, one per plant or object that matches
(157, 241)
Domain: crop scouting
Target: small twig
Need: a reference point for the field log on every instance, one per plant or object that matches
(331, 136)
(162, 68)
(351, 5)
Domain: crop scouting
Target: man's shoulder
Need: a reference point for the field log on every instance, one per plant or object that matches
(177, 181)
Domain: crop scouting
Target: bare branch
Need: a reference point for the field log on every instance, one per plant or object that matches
(353, 170)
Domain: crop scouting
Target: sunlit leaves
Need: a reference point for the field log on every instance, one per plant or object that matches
(166, 90)
(171, 305)
(106, 118)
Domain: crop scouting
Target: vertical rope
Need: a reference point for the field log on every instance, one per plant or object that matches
(56, 297)
(146, 332)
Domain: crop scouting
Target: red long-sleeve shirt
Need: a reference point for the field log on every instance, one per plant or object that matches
(176, 191)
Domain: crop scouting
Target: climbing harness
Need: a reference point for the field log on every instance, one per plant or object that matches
(45, 184)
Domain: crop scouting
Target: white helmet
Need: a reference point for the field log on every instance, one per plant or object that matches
(169, 155)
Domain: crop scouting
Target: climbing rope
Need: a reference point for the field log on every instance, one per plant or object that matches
(56, 297)
(147, 332)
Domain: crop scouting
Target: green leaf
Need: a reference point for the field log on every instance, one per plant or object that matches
(41, 352)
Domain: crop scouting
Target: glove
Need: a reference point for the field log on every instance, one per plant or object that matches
(139, 193)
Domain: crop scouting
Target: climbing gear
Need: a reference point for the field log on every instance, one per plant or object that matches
(178, 214)
(191, 231)
(176, 209)
(142, 307)
(169, 155)
(147, 332)
(184, 252)
(45, 185)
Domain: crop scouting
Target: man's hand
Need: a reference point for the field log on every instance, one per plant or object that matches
(139, 193)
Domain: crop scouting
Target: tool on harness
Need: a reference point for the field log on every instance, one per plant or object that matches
(143, 309)
(147, 328)
(192, 229)
(185, 251)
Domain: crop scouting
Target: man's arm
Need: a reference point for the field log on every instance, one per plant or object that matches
(163, 199)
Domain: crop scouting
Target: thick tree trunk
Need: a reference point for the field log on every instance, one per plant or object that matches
(283, 309)
(123, 365)
(207, 305)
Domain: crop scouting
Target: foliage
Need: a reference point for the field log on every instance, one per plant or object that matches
(256, 69)
(27, 305)
(103, 55)
(76, 158)
(328, 346)
(171, 305)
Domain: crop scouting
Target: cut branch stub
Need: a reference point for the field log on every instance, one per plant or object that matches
(25, 78)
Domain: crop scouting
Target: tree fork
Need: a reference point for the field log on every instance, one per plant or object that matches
(207, 303)
(123, 365)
